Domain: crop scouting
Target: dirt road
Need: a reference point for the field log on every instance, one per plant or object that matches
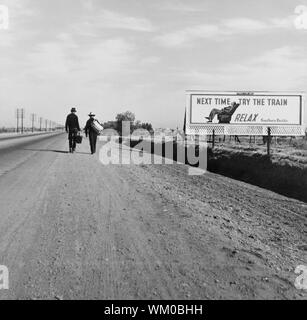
(72, 228)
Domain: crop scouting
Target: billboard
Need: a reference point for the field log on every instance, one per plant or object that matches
(245, 109)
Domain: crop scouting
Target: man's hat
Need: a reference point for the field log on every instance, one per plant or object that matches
(91, 114)
(73, 110)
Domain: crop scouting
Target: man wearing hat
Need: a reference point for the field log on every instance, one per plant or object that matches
(89, 131)
(72, 128)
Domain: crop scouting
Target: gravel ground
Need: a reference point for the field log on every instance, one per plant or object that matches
(72, 228)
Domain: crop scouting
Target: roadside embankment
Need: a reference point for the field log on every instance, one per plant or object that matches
(279, 173)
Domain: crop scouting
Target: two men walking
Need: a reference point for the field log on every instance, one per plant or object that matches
(73, 128)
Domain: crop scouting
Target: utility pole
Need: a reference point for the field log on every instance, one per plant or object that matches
(23, 113)
(20, 115)
(33, 118)
(46, 125)
(40, 123)
(17, 117)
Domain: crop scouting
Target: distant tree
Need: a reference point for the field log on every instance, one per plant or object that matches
(110, 125)
(137, 125)
(125, 116)
(147, 126)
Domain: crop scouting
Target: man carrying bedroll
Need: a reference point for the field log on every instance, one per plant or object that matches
(72, 128)
(91, 132)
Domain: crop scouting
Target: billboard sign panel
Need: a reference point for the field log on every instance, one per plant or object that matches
(265, 109)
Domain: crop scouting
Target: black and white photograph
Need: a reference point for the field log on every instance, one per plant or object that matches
(153, 151)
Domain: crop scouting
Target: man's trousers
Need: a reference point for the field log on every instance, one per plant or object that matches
(93, 141)
(72, 139)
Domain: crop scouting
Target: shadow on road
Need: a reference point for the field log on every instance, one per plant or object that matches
(57, 151)
(46, 150)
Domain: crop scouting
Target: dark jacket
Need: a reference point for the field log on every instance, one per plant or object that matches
(72, 123)
(88, 127)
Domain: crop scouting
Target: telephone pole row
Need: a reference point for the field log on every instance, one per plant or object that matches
(46, 125)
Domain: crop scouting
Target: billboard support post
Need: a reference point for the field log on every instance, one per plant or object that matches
(269, 142)
(213, 138)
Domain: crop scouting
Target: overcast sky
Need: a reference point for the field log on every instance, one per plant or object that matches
(140, 55)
